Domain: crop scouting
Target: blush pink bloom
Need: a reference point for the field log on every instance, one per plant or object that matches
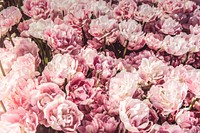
(169, 26)
(28, 120)
(7, 127)
(154, 41)
(186, 119)
(24, 46)
(166, 128)
(23, 27)
(123, 85)
(80, 90)
(59, 68)
(152, 69)
(135, 115)
(131, 35)
(171, 6)
(63, 115)
(104, 30)
(146, 13)
(125, 9)
(9, 17)
(37, 8)
(7, 58)
(37, 28)
(177, 45)
(169, 97)
(63, 37)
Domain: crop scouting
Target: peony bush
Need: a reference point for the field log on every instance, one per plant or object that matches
(99, 66)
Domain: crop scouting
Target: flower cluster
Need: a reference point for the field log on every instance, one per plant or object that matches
(100, 66)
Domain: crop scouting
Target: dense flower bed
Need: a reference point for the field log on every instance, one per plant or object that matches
(100, 66)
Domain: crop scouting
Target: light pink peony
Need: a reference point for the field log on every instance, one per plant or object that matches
(169, 26)
(131, 35)
(104, 29)
(37, 8)
(7, 127)
(123, 85)
(59, 68)
(135, 115)
(177, 45)
(63, 115)
(63, 37)
(166, 128)
(9, 17)
(125, 9)
(152, 69)
(154, 41)
(186, 119)
(28, 120)
(146, 13)
(169, 97)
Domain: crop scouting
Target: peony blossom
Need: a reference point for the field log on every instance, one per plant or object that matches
(36, 9)
(123, 85)
(168, 97)
(60, 67)
(8, 18)
(135, 115)
(7, 127)
(63, 115)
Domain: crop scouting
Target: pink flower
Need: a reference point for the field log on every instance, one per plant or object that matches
(36, 9)
(104, 29)
(24, 46)
(131, 35)
(28, 120)
(152, 69)
(154, 41)
(135, 115)
(23, 27)
(123, 85)
(125, 9)
(169, 26)
(177, 45)
(106, 123)
(171, 6)
(9, 17)
(63, 37)
(166, 128)
(186, 119)
(7, 127)
(59, 68)
(63, 115)
(146, 13)
(168, 97)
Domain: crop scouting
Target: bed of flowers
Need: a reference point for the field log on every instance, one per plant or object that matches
(94, 66)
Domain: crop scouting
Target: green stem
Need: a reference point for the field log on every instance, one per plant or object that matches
(9, 36)
(2, 70)
(192, 103)
(124, 53)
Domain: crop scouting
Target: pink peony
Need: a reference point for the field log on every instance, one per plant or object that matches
(125, 9)
(154, 41)
(63, 115)
(123, 85)
(80, 90)
(146, 13)
(28, 120)
(63, 37)
(131, 35)
(37, 8)
(169, 97)
(9, 17)
(135, 115)
(7, 127)
(166, 128)
(59, 68)
(152, 69)
(186, 119)
(104, 29)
